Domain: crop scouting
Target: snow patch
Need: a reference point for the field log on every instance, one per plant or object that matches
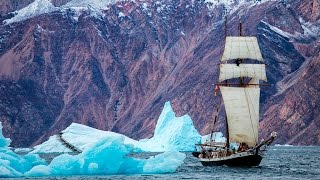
(96, 4)
(278, 31)
(39, 7)
(310, 29)
(121, 15)
(232, 5)
(36, 8)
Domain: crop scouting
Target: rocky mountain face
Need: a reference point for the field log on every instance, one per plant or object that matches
(113, 69)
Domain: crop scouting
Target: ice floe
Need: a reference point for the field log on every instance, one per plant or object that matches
(109, 156)
(13, 165)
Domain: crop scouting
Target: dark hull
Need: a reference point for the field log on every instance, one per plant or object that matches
(245, 161)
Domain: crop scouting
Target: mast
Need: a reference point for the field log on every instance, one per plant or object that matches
(241, 101)
(226, 119)
(240, 60)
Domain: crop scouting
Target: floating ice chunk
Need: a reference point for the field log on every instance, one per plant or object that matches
(172, 133)
(52, 145)
(166, 162)
(109, 156)
(42, 170)
(80, 136)
(216, 136)
(285, 145)
(22, 150)
(4, 142)
(13, 165)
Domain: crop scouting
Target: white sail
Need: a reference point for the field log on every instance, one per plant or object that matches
(229, 71)
(253, 81)
(238, 47)
(242, 109)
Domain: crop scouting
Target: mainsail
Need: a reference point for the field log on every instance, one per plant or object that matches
(242, 103)
(242, 109)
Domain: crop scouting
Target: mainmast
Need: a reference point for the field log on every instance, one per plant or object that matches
(227, 127)
(240, 60)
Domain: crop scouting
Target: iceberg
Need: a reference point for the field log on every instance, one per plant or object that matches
(171, 134)
(107, 157)
(216, 136)
(80, 136)
(13, 165)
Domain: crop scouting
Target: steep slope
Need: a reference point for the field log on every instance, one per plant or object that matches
(114, 67)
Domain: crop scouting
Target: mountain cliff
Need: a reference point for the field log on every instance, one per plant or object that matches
(113, 64)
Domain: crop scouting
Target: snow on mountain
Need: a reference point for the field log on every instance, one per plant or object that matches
(277, 30)
(36, 8)
(171, 133)
(96, 4)
(39, 7)
(232, 5)
(310, 29)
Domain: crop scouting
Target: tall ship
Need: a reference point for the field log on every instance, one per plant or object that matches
(241, 69)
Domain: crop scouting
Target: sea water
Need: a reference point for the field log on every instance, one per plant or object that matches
(280, 162)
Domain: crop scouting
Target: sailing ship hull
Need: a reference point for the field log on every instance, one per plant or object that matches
(240, 161)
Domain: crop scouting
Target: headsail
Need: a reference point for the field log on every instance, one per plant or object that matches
(242, 109)
(229, 71)
(238, 47)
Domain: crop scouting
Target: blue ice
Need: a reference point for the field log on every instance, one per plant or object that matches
(109, 156)
(172, 133)
(13, 165)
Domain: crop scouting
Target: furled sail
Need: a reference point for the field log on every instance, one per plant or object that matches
(229, 71)
(242, 109)
(238, 47)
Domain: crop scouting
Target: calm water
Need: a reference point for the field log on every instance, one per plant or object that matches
(279, 163)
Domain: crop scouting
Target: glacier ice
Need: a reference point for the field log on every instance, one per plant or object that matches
(80, 136)
(13, 165)
(216, 136)
(105, 152)
(109, 156)
(171, 133)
